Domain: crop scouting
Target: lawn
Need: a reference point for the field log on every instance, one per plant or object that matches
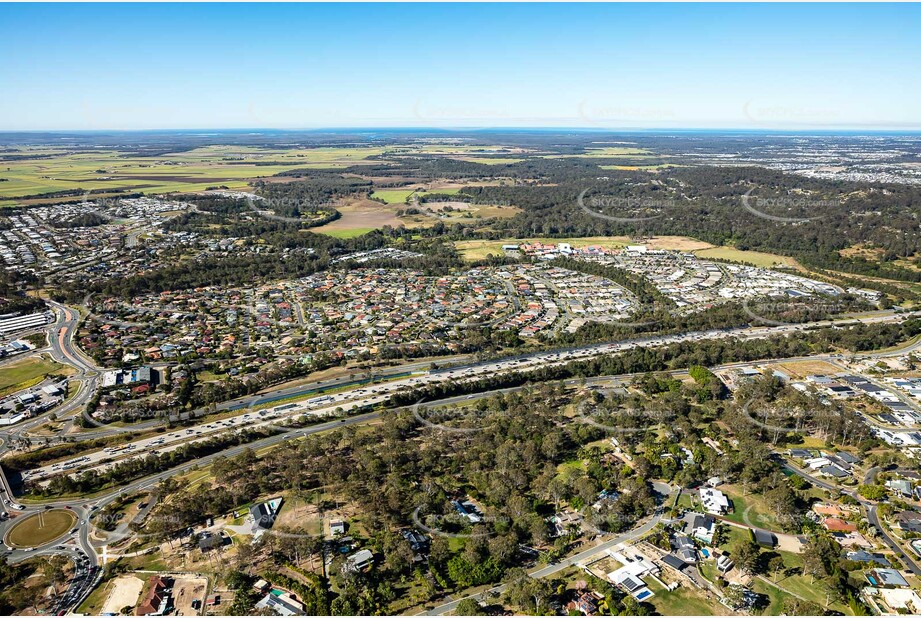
(811, 589)
(775, 597)
(299, 515)
(27, 372)
(360, 216)
(801, 369)
(683, 601)
(97, 598)
(708, 569)
(685, 501)
(615, 151)
(758, 258)
(498, 212)
(804, 586)
(736, 537)
(568, 468)
(759, 512)
(41, 528)
(146, 562)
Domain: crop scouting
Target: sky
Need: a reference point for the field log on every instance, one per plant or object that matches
(633, 66)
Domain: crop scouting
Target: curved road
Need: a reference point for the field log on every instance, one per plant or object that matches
(78, 543)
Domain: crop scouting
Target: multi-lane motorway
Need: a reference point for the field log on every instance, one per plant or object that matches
(373, 394)
(80, 544)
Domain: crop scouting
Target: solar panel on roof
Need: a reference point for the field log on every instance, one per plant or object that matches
(631, 584)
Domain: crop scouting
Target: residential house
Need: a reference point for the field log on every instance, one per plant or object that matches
(208, 541)
(585, 602)
(264, 515)
(629, 577)
(836, 524)
(899, 600)
(685, 549)
(699, 526)
(359, 560)
(868, 557)
(886, 577)
(155, 601)
(417, 542)
(901, 487)
(337, 527)
(908, 521)
(674, 562)
(282, 603)
(468, 510)
(714, 501)
(834, 471)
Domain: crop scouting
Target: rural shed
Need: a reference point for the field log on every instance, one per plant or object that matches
(765, 538)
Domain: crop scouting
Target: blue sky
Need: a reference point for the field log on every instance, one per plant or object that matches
(160, 66)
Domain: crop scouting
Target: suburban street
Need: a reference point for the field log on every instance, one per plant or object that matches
(666, 493)
(872, 515)
(414, 375)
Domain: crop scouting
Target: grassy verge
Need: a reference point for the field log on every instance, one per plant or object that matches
(27, 373)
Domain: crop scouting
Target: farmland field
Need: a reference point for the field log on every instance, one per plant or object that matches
(645, 168)
(490, 161)
(766, 260)
(604, 153)
(359, 217)
(194, 170)
(393, 196)
(233, 167)
(347, 232)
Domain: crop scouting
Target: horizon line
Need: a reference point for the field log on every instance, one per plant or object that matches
(799, 129)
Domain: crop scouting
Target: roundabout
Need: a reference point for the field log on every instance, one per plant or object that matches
(40, 528)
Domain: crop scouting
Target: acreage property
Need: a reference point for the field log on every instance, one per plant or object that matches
(41, 528)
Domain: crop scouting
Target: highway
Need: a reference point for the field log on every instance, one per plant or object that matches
(64, 349)
(373, 395)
